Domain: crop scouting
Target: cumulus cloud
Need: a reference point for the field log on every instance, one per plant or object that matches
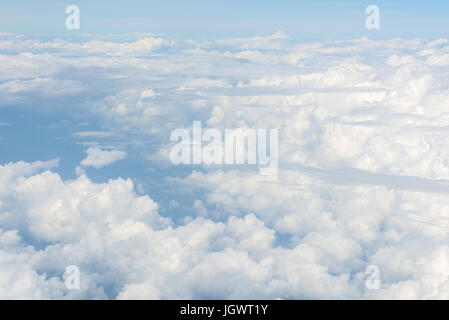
(266, 42)
(363, 173)
(141, 46)
(99, 158)
(108, 227)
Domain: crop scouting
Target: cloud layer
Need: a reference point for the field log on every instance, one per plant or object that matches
(363, 170)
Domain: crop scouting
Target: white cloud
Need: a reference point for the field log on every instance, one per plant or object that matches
(141, 46)
(98, 158)
(148, 94)
(46, 86)
(91, 225)
(364, 165)
(93, 134)
(268, 42)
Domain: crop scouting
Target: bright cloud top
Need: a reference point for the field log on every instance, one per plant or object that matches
(363, 170)
(98, 158)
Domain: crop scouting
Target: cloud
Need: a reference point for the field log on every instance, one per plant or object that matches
(267, 42)
(91, 225)
(98, 158)
(46, 86)
(363, 173)
(141, 46)
(108, 228)
(148, 94)
(93, 134)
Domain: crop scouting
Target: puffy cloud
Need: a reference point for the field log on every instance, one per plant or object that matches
(141, 46)
(362, 177)
(107, 226)
(46, 86)
(267, 42)
(98, 158)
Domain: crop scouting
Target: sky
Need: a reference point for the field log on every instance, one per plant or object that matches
(302, 20)
(90, 119)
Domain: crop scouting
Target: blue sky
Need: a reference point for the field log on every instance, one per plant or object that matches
(193, 19)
